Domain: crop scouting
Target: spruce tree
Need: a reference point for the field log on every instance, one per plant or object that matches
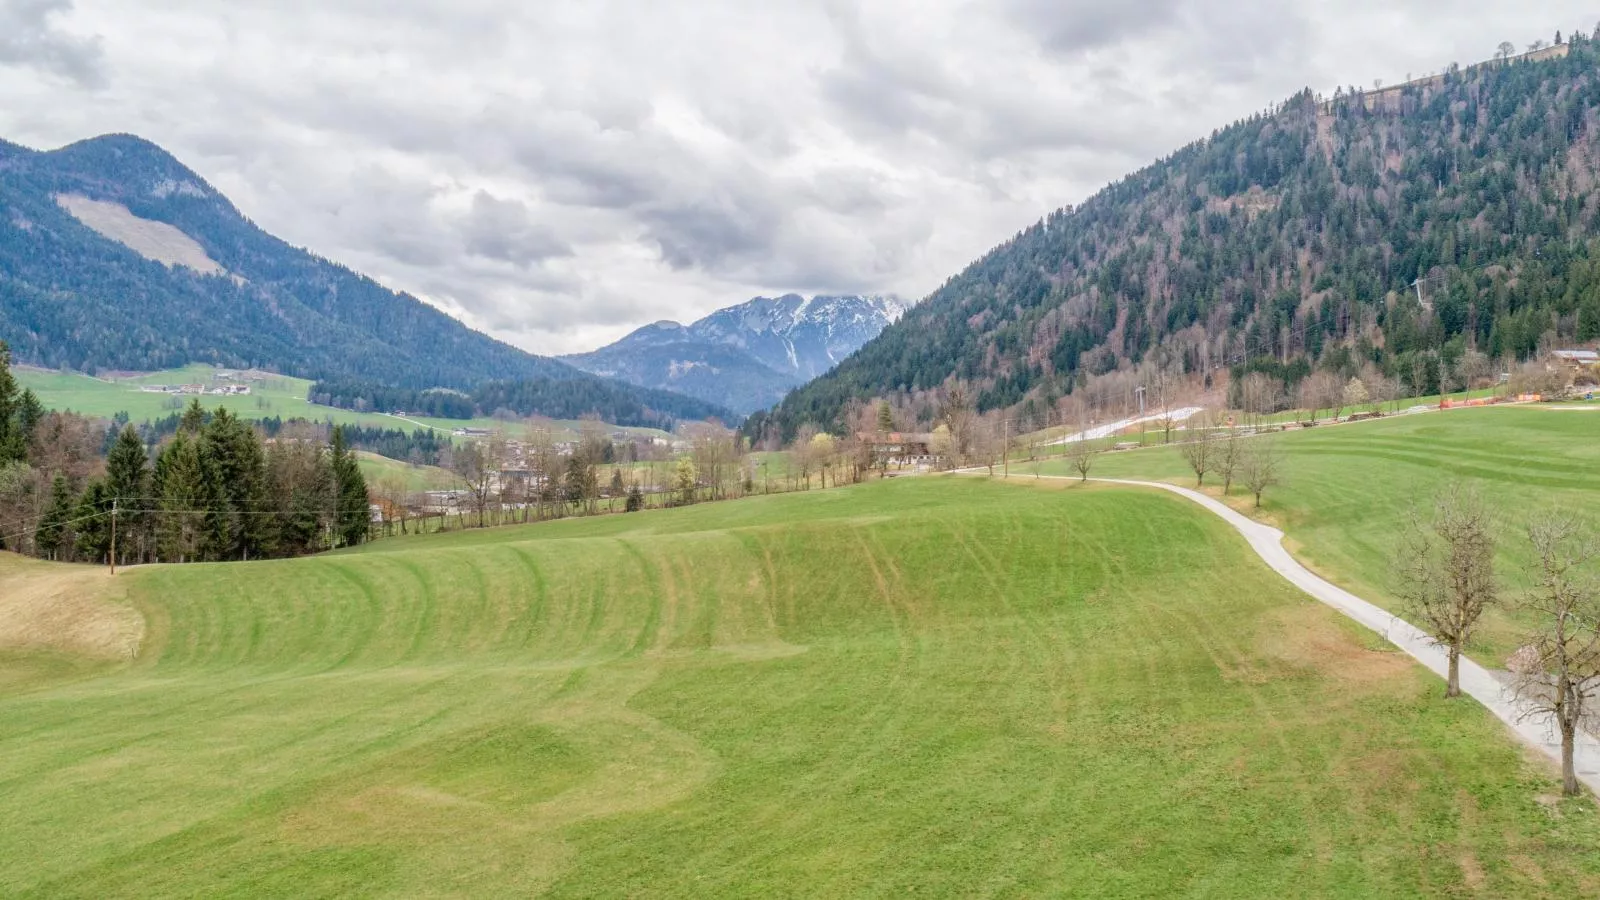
(194, 419)
(128, 486)
(93, 525)
(236, 525)
(13, 444)
(180, 484)
(54, 537)
(354, 511)
(29, 413)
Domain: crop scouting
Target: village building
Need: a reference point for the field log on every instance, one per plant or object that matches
(897, 450)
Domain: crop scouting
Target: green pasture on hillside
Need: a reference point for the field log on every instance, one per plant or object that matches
(934, 687)
(1348, 489)
(381, 470)
(280, 396)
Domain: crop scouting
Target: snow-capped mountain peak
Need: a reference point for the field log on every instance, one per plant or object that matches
(790, 338)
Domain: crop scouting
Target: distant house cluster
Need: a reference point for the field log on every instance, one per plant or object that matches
(225, 390)
(223, 384)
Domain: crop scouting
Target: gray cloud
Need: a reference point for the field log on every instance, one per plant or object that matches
(30, 37)
(560, 173)
(502, 229)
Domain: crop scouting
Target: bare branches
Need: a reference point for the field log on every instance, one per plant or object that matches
(1199, 449)
(1558, 671)
(1259, 464)
(1445, 571)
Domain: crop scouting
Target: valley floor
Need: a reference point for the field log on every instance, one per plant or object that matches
(952, 687)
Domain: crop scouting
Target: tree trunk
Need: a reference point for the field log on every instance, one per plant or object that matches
(1258, 499)
(1569, 775)
(1452, 682)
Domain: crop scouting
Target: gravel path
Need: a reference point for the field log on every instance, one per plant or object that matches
(1476, 681)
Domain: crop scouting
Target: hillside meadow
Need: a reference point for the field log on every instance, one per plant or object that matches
(939, 686)
(1348, 490)
(279, 396)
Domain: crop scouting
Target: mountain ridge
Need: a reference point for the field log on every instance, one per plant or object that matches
(746, 356)
(1288, 243)
(73, 295)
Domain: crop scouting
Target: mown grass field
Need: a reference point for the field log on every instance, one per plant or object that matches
(381, 470)
(938, 686)
(1348, 489)
(280, 396)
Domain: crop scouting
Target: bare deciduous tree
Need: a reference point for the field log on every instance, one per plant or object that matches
(1199, 449)
(1445, 570)
(1081, 454)
(471, 464)
(961, 419)
(1229, 456)
(1259, 466)
(1558, 672)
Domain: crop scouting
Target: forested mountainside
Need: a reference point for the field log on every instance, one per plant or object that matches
(617, 403)
(746, 357)
(73, 297)
(1284, 243)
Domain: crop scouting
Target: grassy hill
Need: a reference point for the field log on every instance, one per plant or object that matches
(1347, 488)
(281, 396)
(944, 687)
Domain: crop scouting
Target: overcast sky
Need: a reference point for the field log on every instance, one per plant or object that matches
(558, 173)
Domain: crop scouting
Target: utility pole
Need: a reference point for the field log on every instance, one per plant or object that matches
(113, 535)
(1005, 447)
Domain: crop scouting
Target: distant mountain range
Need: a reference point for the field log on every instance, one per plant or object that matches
(746, 357)
(115, 256)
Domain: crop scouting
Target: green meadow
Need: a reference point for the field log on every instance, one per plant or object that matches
(1348, 489)
(279, 395)
(936, 686)
(381, 471)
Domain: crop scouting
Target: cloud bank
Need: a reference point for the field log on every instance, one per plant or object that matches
(558, 174)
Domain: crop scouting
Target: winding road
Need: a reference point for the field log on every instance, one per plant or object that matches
(1536, 730)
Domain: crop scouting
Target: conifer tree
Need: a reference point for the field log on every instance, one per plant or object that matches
(353, 515)
(236, 480)
(93, 525)
(29, 413)
(128, 486)
(180, 484)
(54, 537)
(301, 482)
(194, 419)
(13, 444)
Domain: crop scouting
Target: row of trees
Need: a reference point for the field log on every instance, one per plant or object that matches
(214, 489)
(1445, 570)
(534, 476)
(1231, 454)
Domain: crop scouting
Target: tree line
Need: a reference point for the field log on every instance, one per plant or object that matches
(216, 489)
(550, 397)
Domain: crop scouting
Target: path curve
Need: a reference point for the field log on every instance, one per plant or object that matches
(1476, 681)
